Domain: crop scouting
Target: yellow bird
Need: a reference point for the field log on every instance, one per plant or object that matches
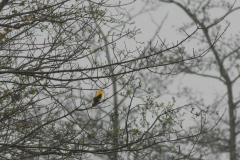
(98, 97)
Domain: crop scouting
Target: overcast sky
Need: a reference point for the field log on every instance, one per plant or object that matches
(176, 17)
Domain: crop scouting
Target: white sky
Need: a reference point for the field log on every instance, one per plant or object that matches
(176, 17)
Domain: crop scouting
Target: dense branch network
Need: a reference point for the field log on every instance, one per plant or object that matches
(53, 54)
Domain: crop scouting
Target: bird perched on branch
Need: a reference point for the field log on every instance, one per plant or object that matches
(98, 97)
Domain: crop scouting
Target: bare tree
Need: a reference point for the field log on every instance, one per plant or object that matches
(222, 64)
(50, 51)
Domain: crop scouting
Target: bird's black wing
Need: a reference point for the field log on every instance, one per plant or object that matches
(96, 100)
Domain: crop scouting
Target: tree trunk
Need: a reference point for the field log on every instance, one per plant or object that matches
(115, 122)
(232, 123)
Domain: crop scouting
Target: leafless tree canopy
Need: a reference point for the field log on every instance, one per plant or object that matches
(220, 65)
(55, 53)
